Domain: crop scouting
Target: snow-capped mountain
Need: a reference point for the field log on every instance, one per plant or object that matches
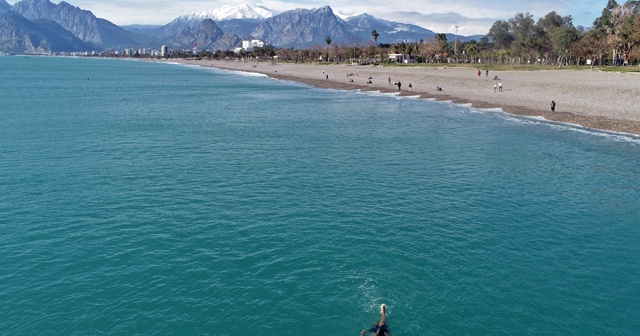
(344, 16)
(298, 28)
(239, 20)
(227, 12)
(221, 28)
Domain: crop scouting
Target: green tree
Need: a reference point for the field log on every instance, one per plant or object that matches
(562, 38)
(328, 41)
(441, 43)
(375, 35)
(471, 50)
(604, 24)
(627, 28)
(408, 49)
(500, 34)
(553, 20)
(555, 35)
(400, 48)
(590, 46)
(523, 29)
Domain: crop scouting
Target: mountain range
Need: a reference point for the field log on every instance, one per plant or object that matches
(40, 26)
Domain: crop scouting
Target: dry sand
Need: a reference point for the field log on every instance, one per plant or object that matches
(591, 98)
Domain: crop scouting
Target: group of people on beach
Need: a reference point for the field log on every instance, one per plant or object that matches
(486, 73)
(350, 77)
(496, 87)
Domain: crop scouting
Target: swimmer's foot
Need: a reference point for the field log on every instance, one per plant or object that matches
(383, 308)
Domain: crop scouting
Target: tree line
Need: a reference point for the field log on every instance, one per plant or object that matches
(613, 39)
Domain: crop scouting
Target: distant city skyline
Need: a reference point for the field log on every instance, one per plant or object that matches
(473, 17)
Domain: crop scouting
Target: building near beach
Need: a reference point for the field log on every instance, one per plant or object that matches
(249, 44)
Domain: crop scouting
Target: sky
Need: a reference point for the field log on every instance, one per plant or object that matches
(472, 17)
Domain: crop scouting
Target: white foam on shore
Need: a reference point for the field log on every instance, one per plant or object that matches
(565, 126)
(186, 65)
(242, 73)
(617, 136)
(378, 93)
(491, 109)
(395, 95)
(409, 97)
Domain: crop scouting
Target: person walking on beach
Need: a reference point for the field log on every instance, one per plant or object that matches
(500, 86)
(389, 80)
(399, 85)
(553, 106)
(380, 328)
(479, 73)
(495, 87)
(410, 87)
(486, 74)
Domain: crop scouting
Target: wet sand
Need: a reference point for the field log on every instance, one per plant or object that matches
(590, 98)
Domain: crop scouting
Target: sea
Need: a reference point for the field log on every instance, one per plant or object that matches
(145, 198)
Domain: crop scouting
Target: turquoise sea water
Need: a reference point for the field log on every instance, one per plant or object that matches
(157, 199)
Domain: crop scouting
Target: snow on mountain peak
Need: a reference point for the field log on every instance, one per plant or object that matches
(228, 12)
(345, 16)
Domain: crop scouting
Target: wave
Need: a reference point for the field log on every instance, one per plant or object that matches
(617, 136)
(566, 126)
(246, 73)
(236, 72)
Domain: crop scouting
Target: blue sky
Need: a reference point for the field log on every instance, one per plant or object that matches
(471, 16)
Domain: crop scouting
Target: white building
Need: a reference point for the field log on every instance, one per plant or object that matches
(164, 51)
(248, 45)
(396, 57)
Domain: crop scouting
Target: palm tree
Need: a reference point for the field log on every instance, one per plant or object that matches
(441, 41)
(471, 49)
(408, 49)
(375, 35)
(328, 40)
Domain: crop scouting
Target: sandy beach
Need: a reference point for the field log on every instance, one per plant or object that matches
(590, 98)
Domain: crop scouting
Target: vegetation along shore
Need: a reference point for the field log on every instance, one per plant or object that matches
(590, 73)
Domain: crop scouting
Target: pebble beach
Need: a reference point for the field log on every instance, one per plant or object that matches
(591, 98)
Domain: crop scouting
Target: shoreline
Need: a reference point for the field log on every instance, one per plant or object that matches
(614, 107)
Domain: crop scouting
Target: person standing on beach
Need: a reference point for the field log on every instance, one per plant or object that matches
(495, 87)
(479, 73)
(327, 77)
(399, 85)
(410, 87)
(487, 73)
(389, 80)
(553, 106)
(500, 86)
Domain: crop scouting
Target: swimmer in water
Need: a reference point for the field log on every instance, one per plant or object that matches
(380, 328)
